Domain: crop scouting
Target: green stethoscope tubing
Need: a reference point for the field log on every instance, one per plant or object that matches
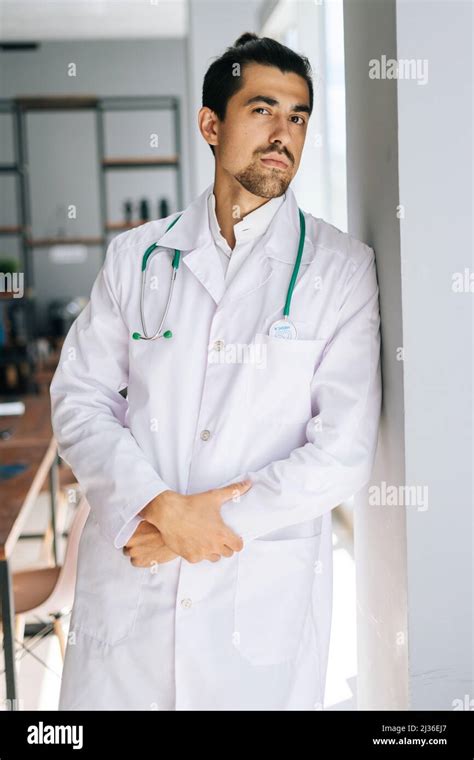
(291, 286)
(175, 267)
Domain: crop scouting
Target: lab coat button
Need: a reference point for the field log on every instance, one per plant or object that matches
(218, 345)
(205, 435)
(186, 603)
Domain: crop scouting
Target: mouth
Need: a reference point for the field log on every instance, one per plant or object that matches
(277, 164)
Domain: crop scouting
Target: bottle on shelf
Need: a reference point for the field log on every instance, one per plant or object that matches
(128, 212)
(163, 208)
(144, 210)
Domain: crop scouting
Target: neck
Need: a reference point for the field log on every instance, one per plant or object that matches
(233, 202)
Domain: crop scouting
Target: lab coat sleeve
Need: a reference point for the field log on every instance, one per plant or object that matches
(88, 413)
(337, 459)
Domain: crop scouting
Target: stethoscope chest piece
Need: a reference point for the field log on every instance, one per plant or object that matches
(283, 328)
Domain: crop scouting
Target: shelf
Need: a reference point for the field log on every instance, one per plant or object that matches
(60, 102)
(45, 242)
(10, 230)
(138, 103)
(16, 166)
(139, 162)
(5, 297)
(117, 226)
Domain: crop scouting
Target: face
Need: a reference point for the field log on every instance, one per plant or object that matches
(261, 139)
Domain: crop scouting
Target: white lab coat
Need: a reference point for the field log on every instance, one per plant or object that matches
(299, 417)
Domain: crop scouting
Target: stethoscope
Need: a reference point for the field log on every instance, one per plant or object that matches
(282, 328)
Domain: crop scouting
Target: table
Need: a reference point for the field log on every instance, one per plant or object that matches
(32, 442)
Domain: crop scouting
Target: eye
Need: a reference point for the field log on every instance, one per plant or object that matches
(302, 121)
(260, 108)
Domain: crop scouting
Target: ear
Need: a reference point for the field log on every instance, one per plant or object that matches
(208, 125)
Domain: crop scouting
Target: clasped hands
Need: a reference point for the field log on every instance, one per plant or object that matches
(175, 525)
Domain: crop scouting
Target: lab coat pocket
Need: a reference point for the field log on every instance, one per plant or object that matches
(278, 387)
(273, 595)
(108, 588)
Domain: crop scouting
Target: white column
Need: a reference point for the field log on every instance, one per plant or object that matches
(372, 188)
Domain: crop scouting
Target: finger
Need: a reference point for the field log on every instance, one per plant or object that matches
(233, 541)
(165, 554)
(152, 543)
(143, 529)
(233, 490)
(138, 562)
(147, 541)
(146, 528)
(145, 557)
(227, 551)
(213, 557)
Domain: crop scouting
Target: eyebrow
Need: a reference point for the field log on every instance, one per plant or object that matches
(273, 102)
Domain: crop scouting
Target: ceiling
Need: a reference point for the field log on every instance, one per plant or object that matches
(37, 20)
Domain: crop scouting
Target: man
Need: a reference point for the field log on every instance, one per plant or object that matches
(204, 571)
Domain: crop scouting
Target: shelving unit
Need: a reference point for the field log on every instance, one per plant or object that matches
(19, 108)
(126, 163)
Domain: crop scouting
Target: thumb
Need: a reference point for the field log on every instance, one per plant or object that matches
(233, 490)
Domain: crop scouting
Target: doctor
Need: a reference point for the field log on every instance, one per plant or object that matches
(205, 564)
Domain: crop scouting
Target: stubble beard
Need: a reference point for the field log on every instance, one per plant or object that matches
(262, 182)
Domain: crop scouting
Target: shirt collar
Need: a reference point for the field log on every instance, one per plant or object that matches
(251, 226)
(192, 234)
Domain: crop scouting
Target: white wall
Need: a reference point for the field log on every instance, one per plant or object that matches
(411, 144)
(436, 167)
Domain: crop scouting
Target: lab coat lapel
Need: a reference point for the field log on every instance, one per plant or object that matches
(192, 236)
(205, 264)
(278, 244)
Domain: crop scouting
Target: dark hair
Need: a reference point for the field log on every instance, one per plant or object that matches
(220, 84)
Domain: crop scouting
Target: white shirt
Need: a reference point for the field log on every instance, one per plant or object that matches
(247, 233)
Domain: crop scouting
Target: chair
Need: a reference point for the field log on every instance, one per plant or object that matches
(49, 591)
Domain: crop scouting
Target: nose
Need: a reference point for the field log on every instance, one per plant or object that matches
(281, 133)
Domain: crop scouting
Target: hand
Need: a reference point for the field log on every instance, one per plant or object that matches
(192, 525)
(146, 547)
